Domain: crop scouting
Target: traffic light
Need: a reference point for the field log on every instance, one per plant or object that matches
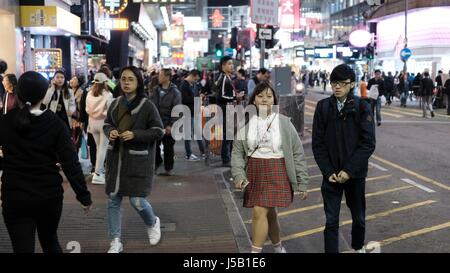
(369, 52)
(233, 40)
(219, 50)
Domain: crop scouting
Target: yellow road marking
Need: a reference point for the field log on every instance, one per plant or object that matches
(417, 111)
(368, 179)
(414, 233)
(348, 222)
(421, 177)
(398, 111)
(411, 234)
(391, 115)
(293, 211)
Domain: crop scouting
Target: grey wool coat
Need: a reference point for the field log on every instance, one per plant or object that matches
(129, 171)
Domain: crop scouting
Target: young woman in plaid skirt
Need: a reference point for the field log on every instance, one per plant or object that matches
(268, 162)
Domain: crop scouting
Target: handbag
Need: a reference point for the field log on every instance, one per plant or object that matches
(83, 154)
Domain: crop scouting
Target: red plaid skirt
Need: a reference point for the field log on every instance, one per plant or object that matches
(269, 184)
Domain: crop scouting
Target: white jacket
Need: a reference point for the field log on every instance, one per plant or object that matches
(97, 107)
(69, 103)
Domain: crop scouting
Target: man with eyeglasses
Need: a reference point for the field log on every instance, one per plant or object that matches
(377, 83)
(343, 140)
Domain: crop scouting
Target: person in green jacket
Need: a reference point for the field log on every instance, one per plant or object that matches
(268, 163)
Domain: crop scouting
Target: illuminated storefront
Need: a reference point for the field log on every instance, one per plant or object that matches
(428, 39)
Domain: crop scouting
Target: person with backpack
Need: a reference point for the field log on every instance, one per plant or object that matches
(343, 140)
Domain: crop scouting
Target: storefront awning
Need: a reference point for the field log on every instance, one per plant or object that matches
(49, 20)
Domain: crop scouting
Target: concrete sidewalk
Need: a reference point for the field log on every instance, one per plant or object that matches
(194, 206)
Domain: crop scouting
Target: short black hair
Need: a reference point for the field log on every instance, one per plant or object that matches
(263, 70)
(440, 72)
(195, 73)
(378, 71)
(426, 74)
(3, 66)
(224, 60)
(342, 72)
(167, 72)
(242, 72)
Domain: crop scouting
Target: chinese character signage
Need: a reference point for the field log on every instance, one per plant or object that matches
(112, 7)
(265, 12)
(290, 14)
(198, 34)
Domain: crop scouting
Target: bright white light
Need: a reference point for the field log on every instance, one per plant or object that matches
(67, 35)
(165, 16)
(300, 87)
(360, 38)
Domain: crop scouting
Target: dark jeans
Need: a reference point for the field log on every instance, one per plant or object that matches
(168, 143)
(24, 218)
(92, 150)
(227, 145)
(448, 103)
(354, 190)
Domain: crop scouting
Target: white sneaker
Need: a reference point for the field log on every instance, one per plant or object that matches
(280, 249)
(154, 233)
(362, 250)
(116, 246)
(98, 179)
(193, 158)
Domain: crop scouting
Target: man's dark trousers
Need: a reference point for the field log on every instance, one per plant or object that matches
(354, 190)
(168, 143)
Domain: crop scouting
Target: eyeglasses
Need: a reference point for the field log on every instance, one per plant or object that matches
(341, 84)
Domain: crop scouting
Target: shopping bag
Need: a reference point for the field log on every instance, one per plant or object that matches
(83, 155)
(373, 92)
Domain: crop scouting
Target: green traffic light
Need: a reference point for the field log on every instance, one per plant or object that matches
(219, 53)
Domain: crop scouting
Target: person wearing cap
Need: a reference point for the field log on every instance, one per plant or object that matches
(60, 100)
(342, 142)
(97, 103)
(33, 142)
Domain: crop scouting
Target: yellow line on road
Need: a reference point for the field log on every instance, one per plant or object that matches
(419, 112)
(414, 233)
(391, 115)
(368, 179)
(348, 222)
(398, 111)
(293, 211)
(411, 234)
(421, 177)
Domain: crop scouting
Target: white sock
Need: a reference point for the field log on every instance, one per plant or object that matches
(256, 249)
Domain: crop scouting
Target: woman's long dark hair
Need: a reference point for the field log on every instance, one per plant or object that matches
(12, 80)
(31, 89)
(140, 90)
(65, 87)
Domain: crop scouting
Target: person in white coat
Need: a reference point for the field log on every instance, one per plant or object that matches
(98, 101)
(59, 99)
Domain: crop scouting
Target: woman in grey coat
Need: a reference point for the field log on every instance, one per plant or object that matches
(133, 126)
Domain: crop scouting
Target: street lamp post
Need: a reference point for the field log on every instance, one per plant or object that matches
(406, 33)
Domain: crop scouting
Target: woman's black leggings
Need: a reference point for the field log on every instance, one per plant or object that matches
(22, 219)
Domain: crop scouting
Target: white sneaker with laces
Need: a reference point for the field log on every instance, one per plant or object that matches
(116, 246)
(193, 158)
(98, 179)
(154, 233)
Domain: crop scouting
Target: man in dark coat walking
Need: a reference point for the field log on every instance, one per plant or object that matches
(343, 141)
